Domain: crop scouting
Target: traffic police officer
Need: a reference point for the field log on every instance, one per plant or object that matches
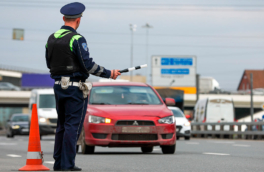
(68, 59)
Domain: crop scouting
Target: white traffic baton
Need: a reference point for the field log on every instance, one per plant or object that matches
(133, 68)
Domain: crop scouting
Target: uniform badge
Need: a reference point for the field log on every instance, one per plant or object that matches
(84, 45)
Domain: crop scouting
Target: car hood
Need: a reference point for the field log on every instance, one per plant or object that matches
(21, 123)
(47, 113)
(180, 121)
(129, 110)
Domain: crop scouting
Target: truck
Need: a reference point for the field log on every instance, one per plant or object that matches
(208, 84)
(46, 107)
(214, 109)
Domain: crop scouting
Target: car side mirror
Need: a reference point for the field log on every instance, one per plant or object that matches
(170, 102)
(188, 116)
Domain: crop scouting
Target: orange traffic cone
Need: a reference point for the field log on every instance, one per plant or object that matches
(34, 155)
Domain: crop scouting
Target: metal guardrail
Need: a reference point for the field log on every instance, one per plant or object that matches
(254, 130)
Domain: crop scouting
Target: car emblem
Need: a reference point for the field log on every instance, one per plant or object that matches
(135, 123)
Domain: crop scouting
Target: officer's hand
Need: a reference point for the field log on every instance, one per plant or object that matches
(115, 73)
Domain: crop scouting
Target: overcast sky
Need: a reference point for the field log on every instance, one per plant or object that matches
(227, 36)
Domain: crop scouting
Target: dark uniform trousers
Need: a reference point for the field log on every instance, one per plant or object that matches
(71, 108)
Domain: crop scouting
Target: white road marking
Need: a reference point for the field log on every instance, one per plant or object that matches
(9, 144)
(13, 155)
(222, 142)
(209, 153)
(192, 143)
(156, 149)
(241, 145)
(49, 162)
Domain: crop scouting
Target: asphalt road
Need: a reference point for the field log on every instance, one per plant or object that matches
(194, 155)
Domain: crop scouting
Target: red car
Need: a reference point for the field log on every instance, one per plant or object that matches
(127, 114)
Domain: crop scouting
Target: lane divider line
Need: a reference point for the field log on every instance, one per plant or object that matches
(221, 142)
(14, 156)
(9, 144)
(241, 145)
(49, 162)
(210, 153)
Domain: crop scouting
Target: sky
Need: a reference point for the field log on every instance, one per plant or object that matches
(227, 36)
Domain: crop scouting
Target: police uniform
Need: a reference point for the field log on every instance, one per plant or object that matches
(67, 55)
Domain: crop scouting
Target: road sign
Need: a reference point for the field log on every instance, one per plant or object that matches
(18, 34)
(173, 71)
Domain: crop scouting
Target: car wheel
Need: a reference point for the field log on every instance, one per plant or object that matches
(168, 149)
(147, 149)
(85, 148)
(187, 138)
(177, 137)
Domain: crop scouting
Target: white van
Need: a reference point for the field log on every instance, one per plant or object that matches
(214, 110)
(46, 106)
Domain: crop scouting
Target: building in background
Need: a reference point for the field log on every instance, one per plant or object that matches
(258, 80)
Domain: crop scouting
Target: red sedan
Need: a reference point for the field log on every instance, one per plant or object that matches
(127, 114)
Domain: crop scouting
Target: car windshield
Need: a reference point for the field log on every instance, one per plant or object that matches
(120, 95)
(177, 113)
(20, 118)
(47, 101)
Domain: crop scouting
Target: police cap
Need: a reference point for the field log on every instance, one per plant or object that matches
(73, 10)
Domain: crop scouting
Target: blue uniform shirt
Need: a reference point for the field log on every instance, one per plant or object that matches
(80, 49)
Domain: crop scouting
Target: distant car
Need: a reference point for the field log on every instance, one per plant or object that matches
(183, 126)
(8, 86)
(18, 124)
(128, 114)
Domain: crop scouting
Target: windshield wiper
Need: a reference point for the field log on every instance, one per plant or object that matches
(131, 103)
(101, 104)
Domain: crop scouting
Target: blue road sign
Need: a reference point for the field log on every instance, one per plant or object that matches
(175, 71)
(176, 61)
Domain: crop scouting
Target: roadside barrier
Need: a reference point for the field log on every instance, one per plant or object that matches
(231, 130)
(34, 155)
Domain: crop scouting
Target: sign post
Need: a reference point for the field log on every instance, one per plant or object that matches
(177, 72)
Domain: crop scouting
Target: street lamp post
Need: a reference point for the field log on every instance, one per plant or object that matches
(133, 29)
(147, 26)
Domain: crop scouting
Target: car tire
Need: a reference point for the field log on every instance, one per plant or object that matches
(177, 137)
(168, 149)
(86, 149)
(187, 137)
(147, 149)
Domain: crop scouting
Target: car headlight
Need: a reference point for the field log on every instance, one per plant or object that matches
(42, 120)
(187, 124)
(15, 126)
(167, 120)
(97, 120)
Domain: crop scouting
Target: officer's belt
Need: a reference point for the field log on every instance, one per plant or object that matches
(76, 84)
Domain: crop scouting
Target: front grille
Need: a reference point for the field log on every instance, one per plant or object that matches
(166, 136)
(53, 120)
(134, 137)
(136, 122)
(99, 136)
(178, 128)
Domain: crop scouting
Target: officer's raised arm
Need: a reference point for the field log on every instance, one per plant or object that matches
(80, 48)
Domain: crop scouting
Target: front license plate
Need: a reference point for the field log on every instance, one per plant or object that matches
(135, 129)
(25, 130)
